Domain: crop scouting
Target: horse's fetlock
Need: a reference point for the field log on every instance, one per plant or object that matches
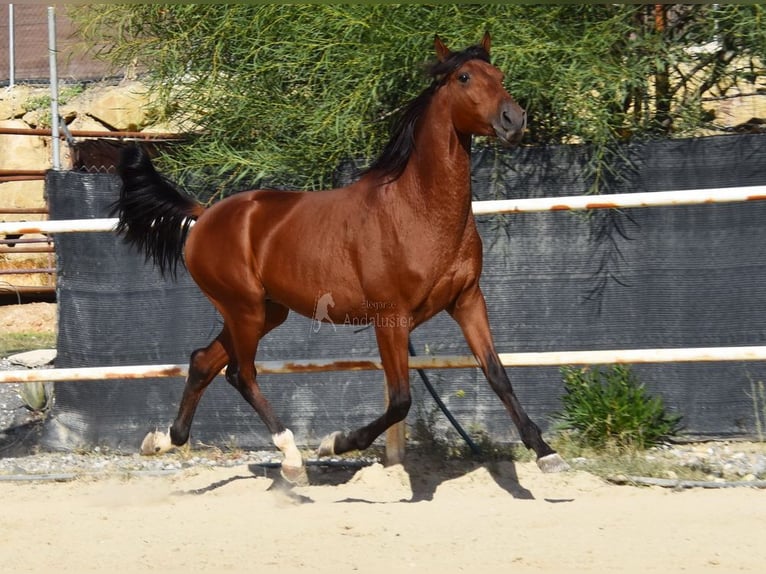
(232, 376)
(332, 444)
(179, 436)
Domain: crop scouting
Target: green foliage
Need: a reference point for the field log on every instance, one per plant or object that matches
(283, 93)
(43, 102)
(37, 396)
(11, 343)
(608, 407)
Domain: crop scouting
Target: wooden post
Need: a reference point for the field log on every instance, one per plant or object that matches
(396, 438)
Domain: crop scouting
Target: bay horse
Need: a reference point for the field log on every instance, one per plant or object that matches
(392, 250)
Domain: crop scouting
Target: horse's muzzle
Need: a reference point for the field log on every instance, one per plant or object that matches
(510, 123)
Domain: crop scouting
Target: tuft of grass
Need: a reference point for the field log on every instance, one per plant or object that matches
(11, 343)
(613, 459)
(42, 103)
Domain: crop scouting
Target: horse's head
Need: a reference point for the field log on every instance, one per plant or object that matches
(480, 103)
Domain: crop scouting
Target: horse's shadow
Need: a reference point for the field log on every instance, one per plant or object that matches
(426, 474)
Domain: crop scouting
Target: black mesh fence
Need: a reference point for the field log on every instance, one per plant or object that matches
(683, 277)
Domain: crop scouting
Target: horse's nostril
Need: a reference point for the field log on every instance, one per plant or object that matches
(519, 121)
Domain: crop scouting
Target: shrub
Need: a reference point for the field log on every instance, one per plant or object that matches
(609, 407)
(285, 92)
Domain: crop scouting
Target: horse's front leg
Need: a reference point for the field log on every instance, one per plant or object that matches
(470, 312)
(391, 333)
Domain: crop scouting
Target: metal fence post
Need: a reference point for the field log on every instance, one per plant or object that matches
(55, 143)
(11, 48)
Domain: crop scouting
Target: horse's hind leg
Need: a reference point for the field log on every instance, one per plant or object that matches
(253, 322)
(204, 365)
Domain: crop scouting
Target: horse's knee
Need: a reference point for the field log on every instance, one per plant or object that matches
(399, 404)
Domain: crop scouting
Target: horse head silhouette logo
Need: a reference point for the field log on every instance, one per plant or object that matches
(321, 313)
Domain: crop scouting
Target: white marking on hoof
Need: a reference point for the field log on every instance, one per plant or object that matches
(552, 463)
(285, 441)
(327, 446)
(296, 476)
(156, 442)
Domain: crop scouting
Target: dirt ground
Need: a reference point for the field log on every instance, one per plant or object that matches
(424, 517)
(28, 318)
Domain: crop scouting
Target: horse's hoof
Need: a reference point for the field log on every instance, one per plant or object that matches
(156, 442)
(327, 446)
(295, 475)
(552, 463)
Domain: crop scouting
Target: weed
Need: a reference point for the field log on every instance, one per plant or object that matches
(36, 396)
(612, 459)
(42, 103)
(11, 343)
(609, 407)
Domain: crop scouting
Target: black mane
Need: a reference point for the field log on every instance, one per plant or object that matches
(395, 155)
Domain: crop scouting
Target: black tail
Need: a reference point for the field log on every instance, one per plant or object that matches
(154, 215)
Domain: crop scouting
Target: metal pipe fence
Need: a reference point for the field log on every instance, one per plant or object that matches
(586, 202)
(553, 358)
(501, 206)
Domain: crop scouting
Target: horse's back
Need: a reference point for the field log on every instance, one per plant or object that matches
(224, 236)
(271, 240)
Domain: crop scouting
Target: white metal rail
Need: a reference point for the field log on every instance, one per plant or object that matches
(584, 202)
(574, 203)
(629, 356)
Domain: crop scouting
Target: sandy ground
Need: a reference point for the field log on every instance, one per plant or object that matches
(28, 318)
(424, 517)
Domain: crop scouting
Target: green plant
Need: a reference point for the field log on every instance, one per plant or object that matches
(36, 396)
(11, 343)
(283, 92)
(608, 407)
(42, 103)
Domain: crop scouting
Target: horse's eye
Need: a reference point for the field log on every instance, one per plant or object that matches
(463, 78)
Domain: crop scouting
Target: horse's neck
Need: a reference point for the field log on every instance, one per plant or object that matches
(439, 172)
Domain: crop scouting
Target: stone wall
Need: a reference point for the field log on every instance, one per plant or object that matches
(102, 107)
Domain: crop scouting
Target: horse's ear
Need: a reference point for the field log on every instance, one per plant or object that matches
(486, 42)
(442, 52)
